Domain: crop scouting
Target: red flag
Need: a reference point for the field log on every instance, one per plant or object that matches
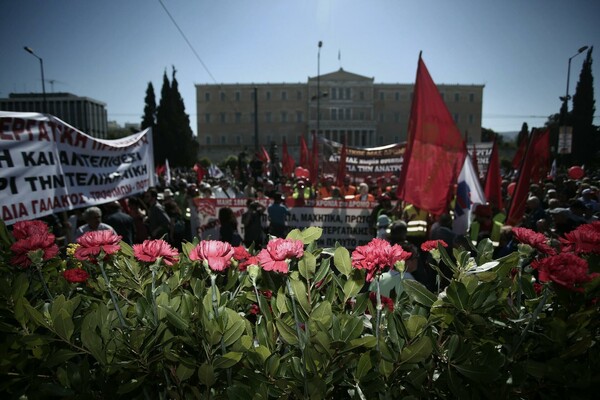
(287, 161)
(314, 161)
(519, 197)
(303, 153)
(541, 162)
(200, 172)
(341, 172)
(160, 169)
(435, 150)
(493, 180)
(518, 158)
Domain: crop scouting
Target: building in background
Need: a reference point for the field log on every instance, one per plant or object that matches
(351, 106)
(87, 115)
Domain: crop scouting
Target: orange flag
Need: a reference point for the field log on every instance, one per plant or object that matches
(435, 151)
(493, 179)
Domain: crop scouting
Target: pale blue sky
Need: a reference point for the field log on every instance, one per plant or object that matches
(109, 50)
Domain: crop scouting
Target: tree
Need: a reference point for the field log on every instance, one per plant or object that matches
(149, 118)
(585, 134)
(175, 140)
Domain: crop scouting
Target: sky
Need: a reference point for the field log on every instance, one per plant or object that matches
(110, 50)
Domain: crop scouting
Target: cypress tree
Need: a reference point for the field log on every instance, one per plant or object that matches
(163, 123)
(585, 134)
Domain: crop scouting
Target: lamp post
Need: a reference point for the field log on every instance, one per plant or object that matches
(319, 86)
(30, 51)
(565, 106)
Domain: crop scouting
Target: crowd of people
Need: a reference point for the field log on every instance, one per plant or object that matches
(169, 211)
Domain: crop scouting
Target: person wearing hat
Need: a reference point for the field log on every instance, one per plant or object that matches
(383, 223)
(363, 193)
(224, 190)
(326, 189)
(302, 192)
(383, 207)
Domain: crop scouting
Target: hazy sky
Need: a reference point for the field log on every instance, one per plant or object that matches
(109, 50)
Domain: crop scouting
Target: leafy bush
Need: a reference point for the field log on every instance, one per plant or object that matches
(295, 321)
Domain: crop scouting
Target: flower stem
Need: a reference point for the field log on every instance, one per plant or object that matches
(39, 270)
(154, 306)
(112, 295)
(213, 285)
(299, 333)
(531, 321)
(379, 307)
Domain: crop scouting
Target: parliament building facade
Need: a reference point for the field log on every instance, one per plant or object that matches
(351, 106)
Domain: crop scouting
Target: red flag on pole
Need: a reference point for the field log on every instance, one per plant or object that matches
(303, 153)
(287, 161)
(518, 158)
(200, 172)
(314, 161)
(493, 180)
(341, 172)
(541, 162)
(519, 197)
(435, 150)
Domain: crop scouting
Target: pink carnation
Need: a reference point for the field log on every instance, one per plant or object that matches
(432, 245)
(277, 254)
(151, 250)
(377, 256)
(584, 239)
(218, 254)
(24, 229)
(76, 275)
(35, 241)
(93, 242)
(536, 240)
(565, 269)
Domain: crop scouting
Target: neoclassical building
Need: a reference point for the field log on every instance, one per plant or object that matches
(350, 106)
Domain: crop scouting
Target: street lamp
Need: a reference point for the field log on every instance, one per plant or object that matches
(319, 86)
(565, 106)
(30, 51)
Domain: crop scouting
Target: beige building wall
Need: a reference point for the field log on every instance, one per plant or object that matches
(352, 107)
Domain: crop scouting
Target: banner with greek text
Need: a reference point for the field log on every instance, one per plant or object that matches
(346, 222)
(48, 166)
(482, 153)
(363, 162)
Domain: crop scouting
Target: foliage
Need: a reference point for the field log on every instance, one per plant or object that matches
(189, 331)
(585, 134)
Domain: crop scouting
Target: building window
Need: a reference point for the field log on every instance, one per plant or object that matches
(471, 119)
(397, 117)
(284, 95)
(268, 117)
(222, 117)
(334, 93)
(299, 116)
(443, 96)
(471, 97)
(397, 96)
(268, 95)
(334, 114)
(361, 95)
(253, 117)
(207, 118)
(348, 94)
(380, 141)
(298, 139)
(284, 116)
(456, 118)
(223, 139)
(238, 96)
(456, 97)
(361, 116)
(207, 140)
(348, 113)
(381, 117)
(381, 96)
(238, 117)
(298, 95)
(238, 139)
(207, 96)
(222, 96)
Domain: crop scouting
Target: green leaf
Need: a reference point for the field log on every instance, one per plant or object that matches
(342, 261)
(19, 286)
(63, 324)
(322, 314)
(280, 303)
(366, 341)
(415, 325)
(364, 366)
(353, 285)
(419, 293)
(307, 265)
(323, 270)
(417, 351)
(300, 294)
(90, 339)
(174, 318)
(234, 331)
(288, 333)
(34, 314)
(206, 375)
(310, 234)
(457, 294)
(228, 360)
(478, 373)
(352, 328)
(184, 372)
(131, 385)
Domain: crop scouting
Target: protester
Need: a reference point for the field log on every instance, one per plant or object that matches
(121, 222)
(252, 220)
(228, 232)
(363, 193)
(278, 214)
(137, 210)
(159, 223)
(93, 222)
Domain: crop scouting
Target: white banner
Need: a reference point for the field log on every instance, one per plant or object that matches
(346, 222)
(48, 166)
